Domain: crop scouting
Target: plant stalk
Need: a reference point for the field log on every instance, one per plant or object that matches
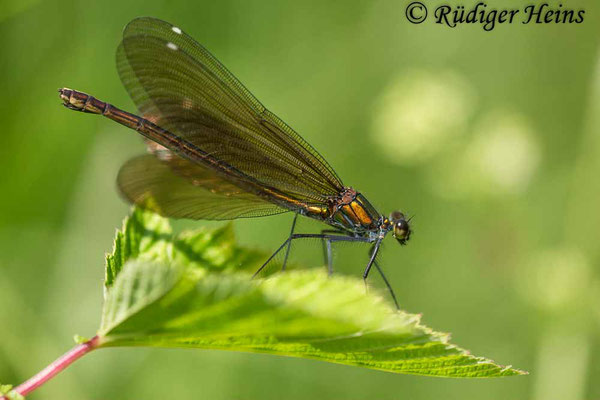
(57, 366)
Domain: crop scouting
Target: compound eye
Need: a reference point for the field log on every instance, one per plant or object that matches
(401, 229)
(396, 216)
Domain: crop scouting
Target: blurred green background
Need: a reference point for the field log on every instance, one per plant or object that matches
(491, 139)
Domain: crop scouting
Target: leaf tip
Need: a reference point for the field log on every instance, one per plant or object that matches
(80, 339)
(509, 370)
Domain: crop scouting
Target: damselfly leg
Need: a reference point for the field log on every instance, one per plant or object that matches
(328, 239)
(287, 251)
(327, 250)
(373, 253)
(387, 284)
(325, 237)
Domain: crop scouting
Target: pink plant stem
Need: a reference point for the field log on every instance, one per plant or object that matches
(53, 369)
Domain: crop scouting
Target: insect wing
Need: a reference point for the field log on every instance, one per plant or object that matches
(177, 188)
(177, 84)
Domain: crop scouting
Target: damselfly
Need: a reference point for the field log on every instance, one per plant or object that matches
(217, 153)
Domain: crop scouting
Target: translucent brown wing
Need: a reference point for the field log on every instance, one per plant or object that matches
(174, 187)
(177, 84)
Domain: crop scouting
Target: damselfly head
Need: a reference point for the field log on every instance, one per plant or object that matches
(400, 226)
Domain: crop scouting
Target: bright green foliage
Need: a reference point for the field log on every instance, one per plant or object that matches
(148, 236)
(80, 339)
(192, 291)
(144, 235)
(9, 393)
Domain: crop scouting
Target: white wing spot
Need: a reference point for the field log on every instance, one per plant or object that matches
(172, 46)
(176, 30)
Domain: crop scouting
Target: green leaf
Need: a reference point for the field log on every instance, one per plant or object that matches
(216, 251)
(80, 339)
(9, 393)
(148, 236)
(144, 235)
(194, 290)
